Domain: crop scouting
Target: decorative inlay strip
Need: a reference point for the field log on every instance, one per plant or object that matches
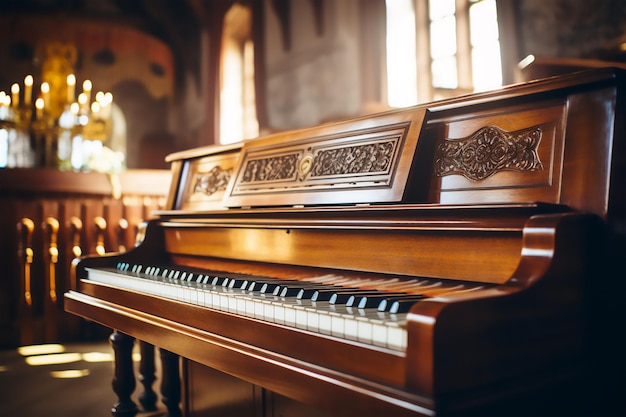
(488, 151)
(213, 181)
(361, 159)
(273, 168)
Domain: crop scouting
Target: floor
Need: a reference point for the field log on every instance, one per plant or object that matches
(72, 380)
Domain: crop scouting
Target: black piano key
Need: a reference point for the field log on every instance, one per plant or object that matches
(342, 297)
(371, 300)
(386, 303)
(325, 294)
(236, 283)
(256, 285)
(403, 306)
(292, 287)
(271, 285)
(308, 293)
(217, 281)
(264, 285)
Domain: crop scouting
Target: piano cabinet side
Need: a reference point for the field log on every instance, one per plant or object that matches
(147, 249)
(503, 343)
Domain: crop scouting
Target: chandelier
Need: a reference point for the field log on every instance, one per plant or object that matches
(51, 125)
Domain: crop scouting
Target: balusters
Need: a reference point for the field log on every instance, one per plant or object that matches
(101, 226)
(51, 231)
(73, 248)
(122, 228)
(25, 229)
(76, 227)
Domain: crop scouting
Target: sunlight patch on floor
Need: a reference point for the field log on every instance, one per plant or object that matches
(70, 373)
(40, 349)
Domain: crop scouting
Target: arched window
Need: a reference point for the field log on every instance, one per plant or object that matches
(237, 95)
(453, 46)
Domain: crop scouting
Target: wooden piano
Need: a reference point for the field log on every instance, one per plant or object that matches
(462, 257)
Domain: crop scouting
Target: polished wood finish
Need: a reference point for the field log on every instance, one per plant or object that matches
(508, 201)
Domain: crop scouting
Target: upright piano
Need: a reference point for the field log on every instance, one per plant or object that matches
(461, 257)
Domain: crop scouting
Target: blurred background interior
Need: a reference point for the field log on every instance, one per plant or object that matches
(95, 93)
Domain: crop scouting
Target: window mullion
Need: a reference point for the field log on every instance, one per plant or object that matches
(423, 53)
(464, 48)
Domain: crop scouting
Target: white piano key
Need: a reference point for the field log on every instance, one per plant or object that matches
(223, 301)
(350, 329)
(301, 317)
(259, 309)
(290, 316)
(324, 323)
(337, 323)
(364, 330)
(396, 337)
(232, 303)
(241, 306)
(312, 320)
(279, 313)
(379, 334)
(268, 310)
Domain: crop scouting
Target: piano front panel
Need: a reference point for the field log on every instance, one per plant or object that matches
(449, 254)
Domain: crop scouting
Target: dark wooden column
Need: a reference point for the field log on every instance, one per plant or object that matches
(147, 376)
(170, 383)
(124, 376)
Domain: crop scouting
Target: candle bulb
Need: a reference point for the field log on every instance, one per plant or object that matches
(15, 94)
(83, 103)
(95, 109)
(3, 109)
(71, 86)
(39, 105)
(108, 101)
(45, 92)
(28, 89)
(87, 89)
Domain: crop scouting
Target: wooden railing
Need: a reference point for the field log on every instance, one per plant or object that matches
(47, 218)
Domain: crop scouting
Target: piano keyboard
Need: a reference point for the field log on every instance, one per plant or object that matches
(374, 313)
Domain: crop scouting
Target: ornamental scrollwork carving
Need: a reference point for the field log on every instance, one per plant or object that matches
(488, 151)
(274, 168)
(212, 181)
(370, 158)
(362, 159)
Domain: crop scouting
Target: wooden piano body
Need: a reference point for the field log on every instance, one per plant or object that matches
(504, 209)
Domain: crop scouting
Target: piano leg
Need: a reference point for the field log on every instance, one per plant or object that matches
(147, 376)
(124, 376)
(170, 383)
